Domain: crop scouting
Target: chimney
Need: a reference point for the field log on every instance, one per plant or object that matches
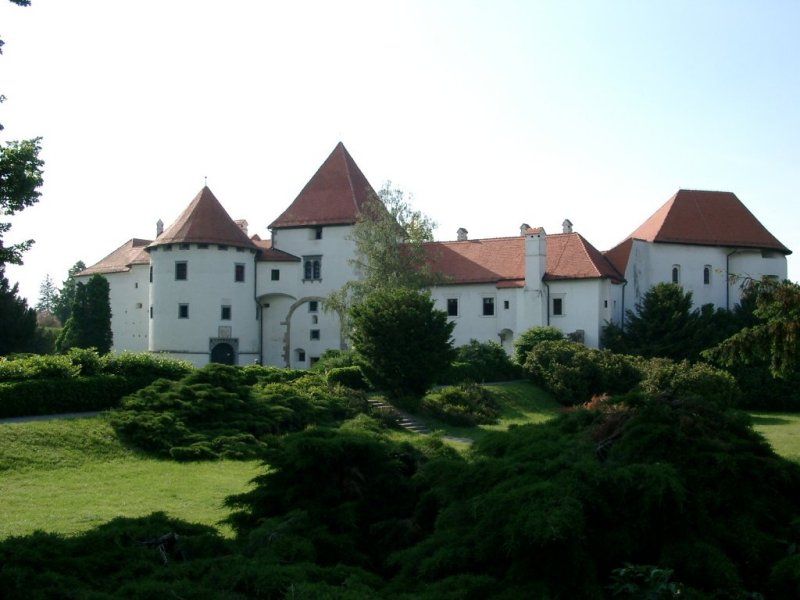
(523, 229)
(566, 226)
(159, 227)
(242, 225)
(461, 234)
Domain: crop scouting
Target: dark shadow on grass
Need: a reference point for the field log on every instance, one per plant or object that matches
(763, 420)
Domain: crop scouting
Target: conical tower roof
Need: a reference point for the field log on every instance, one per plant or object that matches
(336, 194)
(204, 222)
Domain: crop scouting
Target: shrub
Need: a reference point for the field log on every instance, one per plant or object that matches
(467, 404)
(686, 380)
(87, 359)
(224, 411)
(334, 359)
(481, 362)
(144, 364)
(77, 394)
(352, 377)
(37, 367)
(530, 338)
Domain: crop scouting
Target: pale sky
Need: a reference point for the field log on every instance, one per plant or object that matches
(490, 113)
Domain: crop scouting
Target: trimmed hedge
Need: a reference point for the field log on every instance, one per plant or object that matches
(352, 377)
(77, 394)
(467, 404)
(78, 381)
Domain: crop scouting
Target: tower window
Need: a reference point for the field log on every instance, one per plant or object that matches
(238, 273)
(707, 275)
(275, 275)
(312, 268)
(313, 306)
(183, 311)
(314, 334)
(181, 270)
(676, 273)
(558, 307)
(226, 313)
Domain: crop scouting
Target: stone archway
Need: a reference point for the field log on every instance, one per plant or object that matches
(223, 353)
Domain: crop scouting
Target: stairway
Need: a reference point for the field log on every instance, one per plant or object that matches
(406, 421)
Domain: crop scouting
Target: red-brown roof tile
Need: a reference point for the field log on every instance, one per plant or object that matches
(204, 221)
(269, 254)
(336, 195)
(502, 260)
(120, 260)
(707, 219)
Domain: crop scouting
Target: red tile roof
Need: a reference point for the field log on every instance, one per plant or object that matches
(204, 222)
(120, 260)
(502, 260)
(269, 254)
(335, 195)
(700, 218)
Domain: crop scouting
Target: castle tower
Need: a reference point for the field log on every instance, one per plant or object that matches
(202, 287)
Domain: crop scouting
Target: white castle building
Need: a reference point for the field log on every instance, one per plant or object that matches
(204, 290)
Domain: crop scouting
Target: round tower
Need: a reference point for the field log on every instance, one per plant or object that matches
(202, 287)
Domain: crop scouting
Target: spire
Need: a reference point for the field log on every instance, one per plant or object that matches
(335, 195)
(204, 221)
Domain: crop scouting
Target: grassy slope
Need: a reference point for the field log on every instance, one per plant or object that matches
(69, 476)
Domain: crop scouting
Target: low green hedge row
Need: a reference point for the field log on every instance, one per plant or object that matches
(77, 394)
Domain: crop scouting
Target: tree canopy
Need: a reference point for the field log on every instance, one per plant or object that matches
(17, 321)
(63, 303)
(403, 340)
(775, 338)
(89, 326)
(389, 237)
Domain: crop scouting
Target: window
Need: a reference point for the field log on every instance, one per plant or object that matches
(138, 305)
(558, 307)
(151, 311)
(313, 306)
(301, 355)
(314, 319)
(313, 360)
(226, 313)
(184, 246)
(506, 304)
(183, 311)
(707, 275)
(275, 275)
(605, 303)
(312, 268)
(316, 233)
(488, 307)
(136, 285)
(202, 246)
(452, 307)
(222, 247)
(239, 249)
(315, 334)
(181, 270)
(168, 248)
(676, 273)
(238, 273)
(151, 273)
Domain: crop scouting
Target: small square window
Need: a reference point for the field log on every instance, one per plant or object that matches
(184, 246)
(222, 247)
(315, 334)
(239, 249)
(318, 233)
(506, 304)
(301, 355)
(452, 307)
(488, 307)
(275, 275)
(238, 273)
(168, 248)
(202, 246)
(183, 311)
(313, 306)
(558, 306)
(181, 270)
(138, 305)
(226, 313)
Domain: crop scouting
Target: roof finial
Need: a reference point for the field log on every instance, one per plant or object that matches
(205, 180)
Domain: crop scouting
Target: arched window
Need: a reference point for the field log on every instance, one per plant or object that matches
(707, 275)
(676, 273)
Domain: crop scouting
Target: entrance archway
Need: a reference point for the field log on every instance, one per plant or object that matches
(223, 353)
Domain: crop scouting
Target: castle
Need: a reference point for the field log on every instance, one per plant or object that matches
(204, 290)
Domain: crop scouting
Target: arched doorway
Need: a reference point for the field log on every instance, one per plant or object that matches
(223, 353)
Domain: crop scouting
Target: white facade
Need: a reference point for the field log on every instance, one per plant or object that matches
(129, 294)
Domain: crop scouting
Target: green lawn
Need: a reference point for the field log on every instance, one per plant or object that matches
(69, 476)
(782, 430)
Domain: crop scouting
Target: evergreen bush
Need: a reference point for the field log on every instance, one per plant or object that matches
(352, 377)
(467, 404)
